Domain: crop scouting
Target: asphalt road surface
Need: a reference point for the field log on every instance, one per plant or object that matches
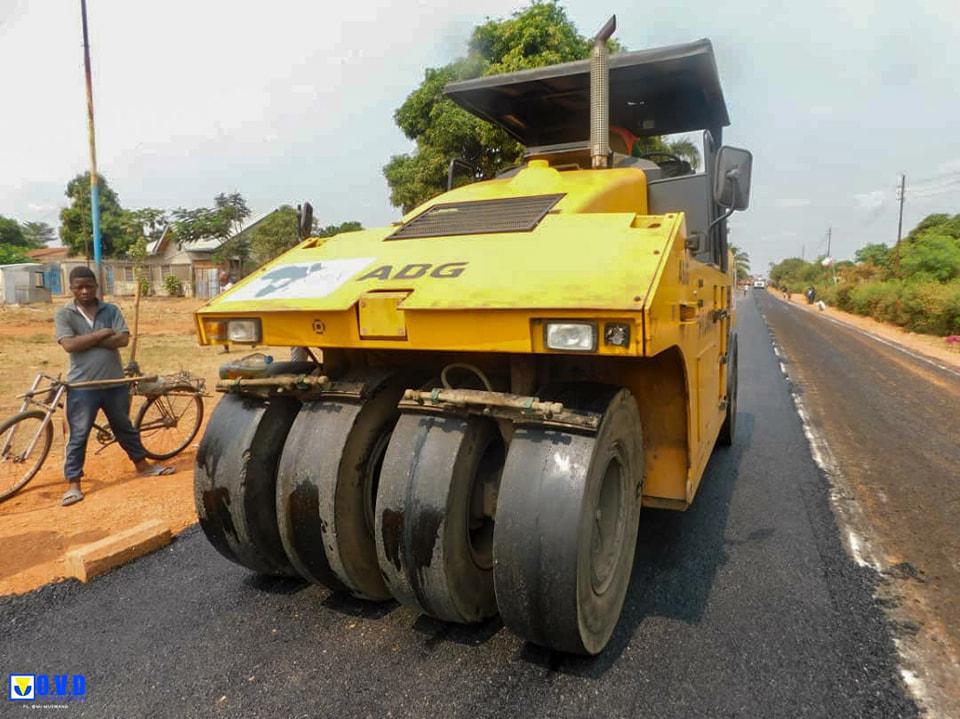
(744, 606)
(891, 420)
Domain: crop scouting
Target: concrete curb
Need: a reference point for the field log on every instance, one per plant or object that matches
(93, 559)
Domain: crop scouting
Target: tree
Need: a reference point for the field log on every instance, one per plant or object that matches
(223, 221)
(741, 261)
(279, 231)
(274, 234)
(931, 257)
(331, 230)
(147, 222)
(38, 234)
(538, 35)
(12, 254)
(11, 234)
(940, 224)
(795, 273)
(877, 254)
(232, 208)
(76, 223)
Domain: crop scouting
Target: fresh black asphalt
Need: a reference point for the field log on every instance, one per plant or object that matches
(746, 605)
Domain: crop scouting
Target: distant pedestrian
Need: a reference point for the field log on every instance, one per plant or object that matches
(811, 295)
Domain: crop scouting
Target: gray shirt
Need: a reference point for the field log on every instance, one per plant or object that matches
(96, 362)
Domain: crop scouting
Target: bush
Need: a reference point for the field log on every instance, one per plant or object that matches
(173, 286)
(929, 307)
(144, 286)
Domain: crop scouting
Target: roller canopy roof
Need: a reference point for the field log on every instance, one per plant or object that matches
(652, 92)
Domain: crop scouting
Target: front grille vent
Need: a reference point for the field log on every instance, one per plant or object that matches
(480, 217)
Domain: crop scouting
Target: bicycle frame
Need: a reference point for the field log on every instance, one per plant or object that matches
(29, 398)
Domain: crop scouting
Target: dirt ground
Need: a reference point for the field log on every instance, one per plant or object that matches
(35, 530)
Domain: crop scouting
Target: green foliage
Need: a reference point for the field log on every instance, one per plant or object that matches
(331, 230)
(12, 254)
(222, 221)
(930, 307)
(931, 257)
(274, 235)
(144, 285)
(278, 232)
(540, 34)
(921, 292)
(796, 275)
(38, 234)
(76, 224)
(173, 286)
(940, 224)
(11, 234)
(199, 223)
(233, 209)
(877, 254)
(741, 261)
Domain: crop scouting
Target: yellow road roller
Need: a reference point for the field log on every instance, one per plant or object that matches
(486, 392)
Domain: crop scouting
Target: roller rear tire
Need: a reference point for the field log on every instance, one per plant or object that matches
(327, 484)
(235, 481)
(567, 520)
(434, 541)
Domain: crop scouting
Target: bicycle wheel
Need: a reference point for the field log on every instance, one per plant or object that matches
(23, 447)
(168, 422)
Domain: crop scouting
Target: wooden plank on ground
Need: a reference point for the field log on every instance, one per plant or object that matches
(101, 556)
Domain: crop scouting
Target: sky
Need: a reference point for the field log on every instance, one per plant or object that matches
(291, 101)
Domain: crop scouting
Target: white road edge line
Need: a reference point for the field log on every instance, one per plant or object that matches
(878, 338)
(850, 515)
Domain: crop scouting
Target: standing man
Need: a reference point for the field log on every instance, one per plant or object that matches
(92, 332)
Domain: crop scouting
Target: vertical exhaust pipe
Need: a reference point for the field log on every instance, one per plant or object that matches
(600, 97)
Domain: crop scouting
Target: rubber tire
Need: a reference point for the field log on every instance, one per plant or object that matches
(542, 545)
(198, 400)
(235, 481)
(422, 516)
(321, 491)
(46, 440)
(729, 428)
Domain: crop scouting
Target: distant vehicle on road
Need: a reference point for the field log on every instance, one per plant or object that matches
(759, 284)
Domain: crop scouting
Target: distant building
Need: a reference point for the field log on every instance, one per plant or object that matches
(190, 262)
(23, 284)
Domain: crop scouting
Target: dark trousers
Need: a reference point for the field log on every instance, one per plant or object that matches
(82, 408)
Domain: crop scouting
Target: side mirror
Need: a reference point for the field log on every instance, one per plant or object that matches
(731, 184)
(304, 220)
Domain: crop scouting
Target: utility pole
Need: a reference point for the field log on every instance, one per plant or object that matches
(94, 184)
(803, 252)
(833, 265)
(901, 192)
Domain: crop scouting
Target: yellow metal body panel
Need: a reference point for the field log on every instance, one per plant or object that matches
(596, 256)
(380, 316)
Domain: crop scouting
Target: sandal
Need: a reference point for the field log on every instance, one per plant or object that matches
(71, 496)
(157, 470)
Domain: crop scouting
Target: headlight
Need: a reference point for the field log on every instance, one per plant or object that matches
(571, 336)
(246, 331)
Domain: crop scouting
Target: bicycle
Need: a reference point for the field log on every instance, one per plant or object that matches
(168, 421)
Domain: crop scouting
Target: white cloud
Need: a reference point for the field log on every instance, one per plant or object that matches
(871, 200)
